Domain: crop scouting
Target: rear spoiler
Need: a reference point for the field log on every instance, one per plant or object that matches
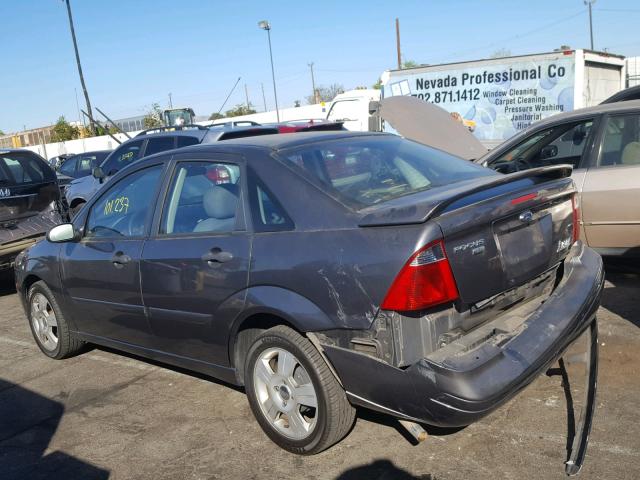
(405, 212)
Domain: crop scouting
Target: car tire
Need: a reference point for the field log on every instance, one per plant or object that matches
(73, 211)
(293, 394)
(48, 324)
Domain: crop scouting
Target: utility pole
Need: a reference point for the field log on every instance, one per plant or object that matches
(246, 96)
(313, 84)
(80, 117)
(84, 86)
(170, 101)
(264, 99)
(398, 44)
(589, 3)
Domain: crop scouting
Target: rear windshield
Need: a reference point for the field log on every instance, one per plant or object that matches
(363, 171)
(19, 168)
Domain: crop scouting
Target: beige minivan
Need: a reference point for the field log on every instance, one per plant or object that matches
(603, 145)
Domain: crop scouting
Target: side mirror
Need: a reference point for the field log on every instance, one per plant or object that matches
(98, 173)
(549, 151)
(62, 233)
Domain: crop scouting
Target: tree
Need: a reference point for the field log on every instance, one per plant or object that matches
(377, 85)
(63, 131)
(153, 118)
(409, 64)
(326, 94)
(500, 53)
(1, 132)
(215, 116)
(240, 110)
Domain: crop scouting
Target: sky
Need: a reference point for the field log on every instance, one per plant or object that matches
(134, 53)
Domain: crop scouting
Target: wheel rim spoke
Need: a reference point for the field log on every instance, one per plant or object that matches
(306, 395)
(286, 364)
(263, 372)
(299, 427)
(51, 319)
(271, 410)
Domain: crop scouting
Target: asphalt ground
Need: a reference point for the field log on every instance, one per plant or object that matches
(107, 415)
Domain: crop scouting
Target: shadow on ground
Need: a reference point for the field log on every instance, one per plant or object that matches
(28, 422)
(624, 299)
(7, 285)
(381, 470)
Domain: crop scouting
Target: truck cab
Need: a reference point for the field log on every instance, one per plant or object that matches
(355, 109)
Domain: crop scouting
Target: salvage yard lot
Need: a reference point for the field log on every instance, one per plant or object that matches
(106, 415)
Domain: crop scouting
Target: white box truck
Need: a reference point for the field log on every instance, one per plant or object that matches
(498, 97)
(494, 98)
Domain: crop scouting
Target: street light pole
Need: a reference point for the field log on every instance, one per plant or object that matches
(589, 3)
(264, 24)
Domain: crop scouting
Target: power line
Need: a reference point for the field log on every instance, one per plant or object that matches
(518, 36)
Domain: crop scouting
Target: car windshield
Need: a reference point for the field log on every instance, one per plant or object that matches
(19, 168)
(364, 171)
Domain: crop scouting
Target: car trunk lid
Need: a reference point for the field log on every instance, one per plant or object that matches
(499, 232)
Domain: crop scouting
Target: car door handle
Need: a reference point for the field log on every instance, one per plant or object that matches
(119, 260)
(216, 255)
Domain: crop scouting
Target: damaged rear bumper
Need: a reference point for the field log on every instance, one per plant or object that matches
(460, 389)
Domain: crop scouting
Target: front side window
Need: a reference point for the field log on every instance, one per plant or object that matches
(88, 162)
(123, 209)
(367, 170)
(18, 168)
(621, 143)
(123, 156)
(204, 197)
(562, 144)
(68, 168)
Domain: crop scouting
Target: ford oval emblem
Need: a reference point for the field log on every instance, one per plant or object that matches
(526, 217)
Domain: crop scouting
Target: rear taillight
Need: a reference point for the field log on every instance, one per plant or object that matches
(425, 280)
(575, 204)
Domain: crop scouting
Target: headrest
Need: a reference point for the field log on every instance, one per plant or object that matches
(221, 201)
(631, 154)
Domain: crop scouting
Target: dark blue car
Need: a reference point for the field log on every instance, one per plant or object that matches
(322, 271)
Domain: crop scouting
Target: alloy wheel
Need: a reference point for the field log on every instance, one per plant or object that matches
(286, 395)
(43, 319)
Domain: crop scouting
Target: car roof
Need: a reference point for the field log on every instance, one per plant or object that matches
(265, 142)
(617, 107)
(287, 140)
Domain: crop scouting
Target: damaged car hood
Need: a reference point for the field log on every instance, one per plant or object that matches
(430, 125)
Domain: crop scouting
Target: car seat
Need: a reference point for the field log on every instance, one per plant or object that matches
(220, 203)
(631, 154)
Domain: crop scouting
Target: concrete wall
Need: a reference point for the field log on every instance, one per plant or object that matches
(105, 142)
(80, 145)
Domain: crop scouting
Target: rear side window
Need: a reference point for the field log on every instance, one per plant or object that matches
(18, 168)
(186, 141)
(267, 213)
(69, 166)
(621, 144)
(364, 171)
(159, 144)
